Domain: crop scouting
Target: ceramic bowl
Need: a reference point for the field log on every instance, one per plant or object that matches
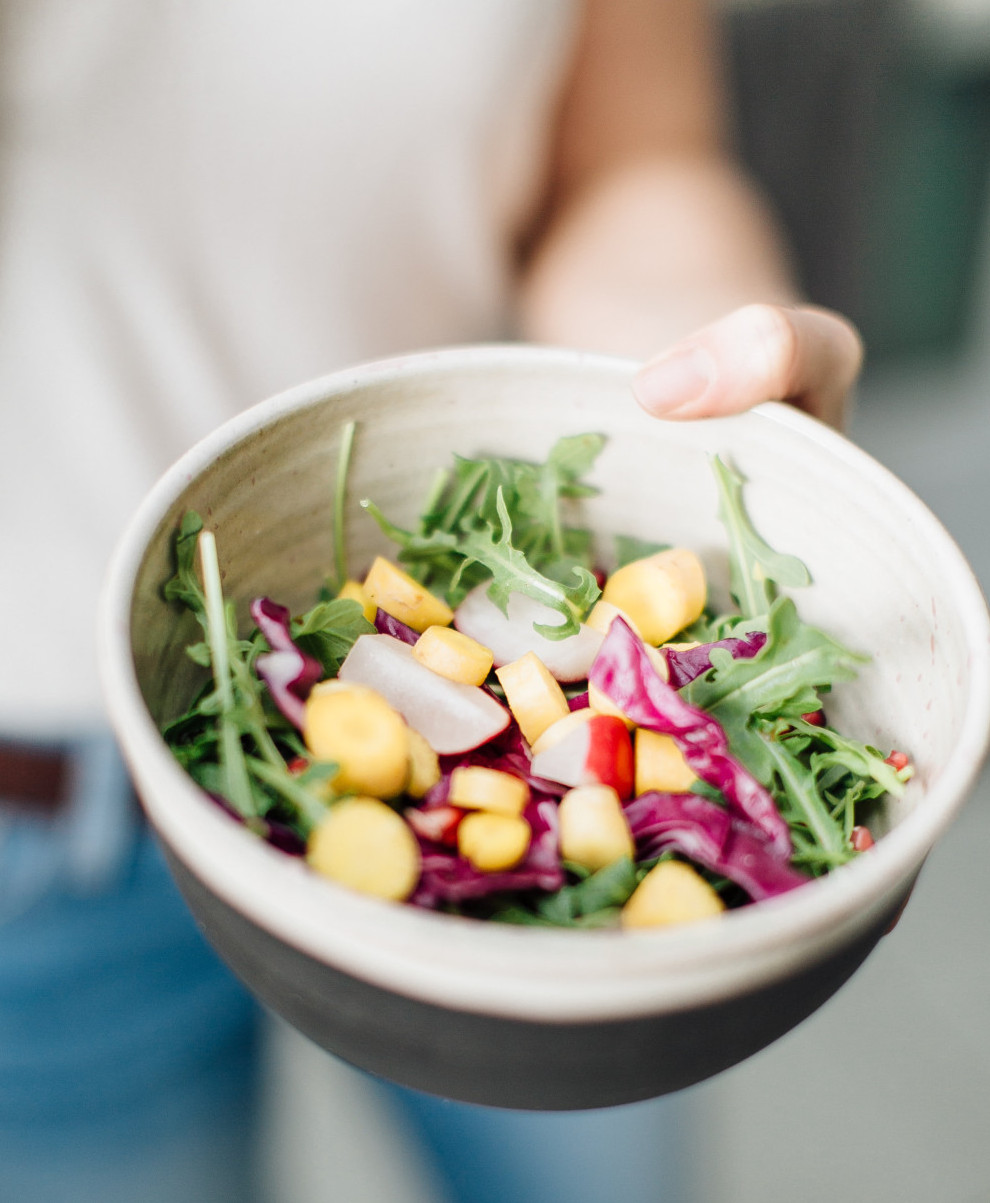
(522, 1017)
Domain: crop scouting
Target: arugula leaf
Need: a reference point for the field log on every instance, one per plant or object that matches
(226, 741)
(806, 805)
(755, 567)
(502, 519)
(329, 630)
(849, 755)
(782, 679)
(512, 573)
(594, 901)
(184, 586)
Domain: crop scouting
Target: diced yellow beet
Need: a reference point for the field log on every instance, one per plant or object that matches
(492, 842)
(593, 828)
(453, 655)
(662, 593)
(395, 592)
(563, 726)
(660, 764)
(672, 892)
(424, 766)
(474, 787)
(354, 591)
(357, 729)
(601, 703)
(602, 614)
(366, 845)
(533, 695)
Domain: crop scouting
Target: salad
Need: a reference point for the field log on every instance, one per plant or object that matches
(490, 724)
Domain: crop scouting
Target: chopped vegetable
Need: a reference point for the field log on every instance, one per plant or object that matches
(672, 892)
(485, 731)
(453, 655)
(593, 828)
(395, 592)
(364, 844)
(533, 694)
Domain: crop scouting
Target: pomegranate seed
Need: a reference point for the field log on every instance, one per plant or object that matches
(860, 839)
(897, 761)
(815, 717)
(298, 764)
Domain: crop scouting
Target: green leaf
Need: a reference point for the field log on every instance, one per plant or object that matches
(329, 630)
(806, 805)
(512, 573)
(184, 586)
(851, 755)
(755, 567)
(501, 519)
(782, 679)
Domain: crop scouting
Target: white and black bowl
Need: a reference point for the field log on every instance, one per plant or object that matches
(524, 1017)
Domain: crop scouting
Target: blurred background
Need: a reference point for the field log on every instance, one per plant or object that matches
(869, 123)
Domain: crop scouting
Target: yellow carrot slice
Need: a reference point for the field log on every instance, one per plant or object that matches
(492, 842)
(357, 729)
(662, 593)
(593, 827)
(398, 594)
(364, 844)
(672, 892)
(474, 787)
(453, 655)
(660, 764)
(534, 697)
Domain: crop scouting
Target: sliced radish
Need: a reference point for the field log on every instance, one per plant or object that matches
(437, 823)
(510, 636)
(597, 751)
(451, 716)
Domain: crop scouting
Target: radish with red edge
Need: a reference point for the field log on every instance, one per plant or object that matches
(511, 635)
(595, 752)
(451, 716)
(437, 823)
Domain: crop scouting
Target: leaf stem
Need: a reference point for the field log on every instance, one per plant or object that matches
(340, 502)
(238, 790)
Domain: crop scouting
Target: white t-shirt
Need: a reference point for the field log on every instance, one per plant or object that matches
(202, 203)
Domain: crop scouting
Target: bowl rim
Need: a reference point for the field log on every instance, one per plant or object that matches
(594, 974)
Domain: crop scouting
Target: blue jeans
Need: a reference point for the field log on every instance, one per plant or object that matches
(639, 1153)
(128, 1053)
(127, 1066)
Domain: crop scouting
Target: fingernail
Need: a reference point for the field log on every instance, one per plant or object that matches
(674, 381)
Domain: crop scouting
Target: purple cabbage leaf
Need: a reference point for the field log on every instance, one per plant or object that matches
(289, 672)
(704, 832)
(623, 672)
(449, 878)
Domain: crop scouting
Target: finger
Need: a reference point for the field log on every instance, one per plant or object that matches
(805, 355)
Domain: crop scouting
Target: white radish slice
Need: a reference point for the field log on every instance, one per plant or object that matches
(452, 717)
(511, 635)
(595, 751)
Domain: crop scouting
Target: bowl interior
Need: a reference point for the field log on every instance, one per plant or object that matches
(886, 580)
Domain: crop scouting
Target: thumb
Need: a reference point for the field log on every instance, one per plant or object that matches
(805, 355)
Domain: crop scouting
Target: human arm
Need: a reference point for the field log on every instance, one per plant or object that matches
(650, 234)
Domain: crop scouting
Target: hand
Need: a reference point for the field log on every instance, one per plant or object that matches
(801, 354)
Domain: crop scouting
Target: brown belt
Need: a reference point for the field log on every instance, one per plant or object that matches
(34, 777)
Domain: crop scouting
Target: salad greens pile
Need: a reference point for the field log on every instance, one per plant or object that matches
(759, 680)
